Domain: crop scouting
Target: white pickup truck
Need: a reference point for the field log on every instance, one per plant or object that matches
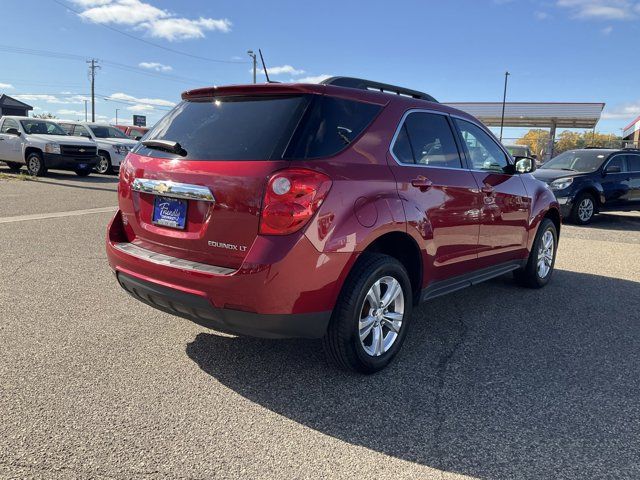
(113, 145)
(43, 144)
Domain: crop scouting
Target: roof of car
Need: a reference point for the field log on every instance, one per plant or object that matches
(376, 95)
(22, 117)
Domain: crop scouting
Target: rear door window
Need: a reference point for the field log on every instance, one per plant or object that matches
(329, 126)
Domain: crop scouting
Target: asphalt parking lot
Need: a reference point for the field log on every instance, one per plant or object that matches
(494, 382)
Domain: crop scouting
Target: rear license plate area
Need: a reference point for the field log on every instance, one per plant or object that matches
(170, 212)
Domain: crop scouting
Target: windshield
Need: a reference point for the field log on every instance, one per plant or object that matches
(40, 127)
(107, 132)
(584, 161)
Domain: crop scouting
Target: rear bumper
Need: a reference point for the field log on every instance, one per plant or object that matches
(199, 310)
(52, 160)
(284, 288)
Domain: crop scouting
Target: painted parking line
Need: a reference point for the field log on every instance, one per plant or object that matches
(43, 216)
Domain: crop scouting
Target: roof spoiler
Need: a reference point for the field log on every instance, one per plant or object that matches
(362, 84)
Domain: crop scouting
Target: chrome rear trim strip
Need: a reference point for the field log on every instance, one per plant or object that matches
(166, 260)
(171, 189)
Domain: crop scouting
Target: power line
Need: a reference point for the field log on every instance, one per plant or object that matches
(120, 66)
(168, 49)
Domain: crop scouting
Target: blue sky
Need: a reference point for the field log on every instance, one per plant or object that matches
(556, 50)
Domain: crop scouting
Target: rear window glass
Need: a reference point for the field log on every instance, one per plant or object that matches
(230, 128)
(261, 127)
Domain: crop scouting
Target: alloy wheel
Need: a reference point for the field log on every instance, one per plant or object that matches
(545, 254)
(103, 164)
(34, 165)
(585, 209)
(381, 316)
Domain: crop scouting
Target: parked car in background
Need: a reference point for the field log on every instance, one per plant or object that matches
(522, 151)
(589, 181)
(43, 144)
(323, 211)
(113, 145)
(136, 133)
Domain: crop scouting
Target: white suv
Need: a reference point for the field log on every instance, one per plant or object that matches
(113, 145)
(43, 144)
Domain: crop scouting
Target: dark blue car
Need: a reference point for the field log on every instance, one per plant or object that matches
(589, 181)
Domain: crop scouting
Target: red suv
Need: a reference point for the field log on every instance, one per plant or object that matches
(323, 211)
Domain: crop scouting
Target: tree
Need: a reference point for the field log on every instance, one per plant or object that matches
(537, 140)
(45, 115)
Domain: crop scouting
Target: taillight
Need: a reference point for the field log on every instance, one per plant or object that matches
(292, 197)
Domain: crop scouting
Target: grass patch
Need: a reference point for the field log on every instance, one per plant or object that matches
(19, 176)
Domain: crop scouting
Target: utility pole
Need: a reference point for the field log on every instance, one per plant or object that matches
(92, 78)
(504, 102)
(255, 63)
(117, 115)
(85, 111)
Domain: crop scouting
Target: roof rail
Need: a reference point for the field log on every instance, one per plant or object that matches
(361, 84)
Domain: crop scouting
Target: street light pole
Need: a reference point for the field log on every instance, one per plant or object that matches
(117, 115)
(255, 63)
(504, 102)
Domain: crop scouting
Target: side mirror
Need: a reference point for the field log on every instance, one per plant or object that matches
(613, 169)
(525, 164)
(13, 131)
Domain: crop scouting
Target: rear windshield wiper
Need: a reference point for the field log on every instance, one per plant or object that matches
(165, 145)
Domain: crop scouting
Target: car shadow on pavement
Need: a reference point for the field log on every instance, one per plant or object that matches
(494, 382)
(612, 221)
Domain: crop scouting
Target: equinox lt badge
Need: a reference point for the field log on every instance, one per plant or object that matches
(228, 246)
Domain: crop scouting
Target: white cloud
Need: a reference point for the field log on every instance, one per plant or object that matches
(626, 111)
(155, 21)
(158, 67)
(6, 86)
(288, 69)
(141, 108)
(183, 29)
(65, 111)
(607, 30)
(146, 101)
(601, 9)
(312, 79)
(541, 15)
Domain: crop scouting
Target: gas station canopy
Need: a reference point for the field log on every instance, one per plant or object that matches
(534, 115)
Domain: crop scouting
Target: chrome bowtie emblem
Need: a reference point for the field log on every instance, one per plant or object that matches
(162, 188)
(82, 150)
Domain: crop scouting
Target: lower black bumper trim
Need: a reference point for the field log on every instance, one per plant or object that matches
(202, 312)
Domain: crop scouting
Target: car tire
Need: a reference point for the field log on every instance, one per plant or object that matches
(14, 167)
(35, 165)
(361, 338)
(542, 258)
(104, 166)
(584, 209)
(83, 172)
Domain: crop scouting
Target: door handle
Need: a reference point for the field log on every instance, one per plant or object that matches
(423, 183)
(488, 189)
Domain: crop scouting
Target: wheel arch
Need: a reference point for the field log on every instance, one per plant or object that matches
(29, 150)
(401, 246)
(554, 215)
